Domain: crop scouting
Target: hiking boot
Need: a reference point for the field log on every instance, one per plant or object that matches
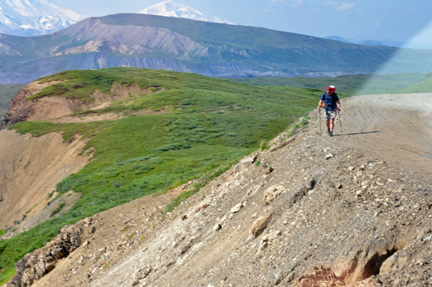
(331, 134)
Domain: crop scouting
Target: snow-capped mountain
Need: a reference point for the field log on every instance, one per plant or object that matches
(178, 10)
(34, 17)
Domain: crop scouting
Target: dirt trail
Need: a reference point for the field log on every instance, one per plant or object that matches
(351, 210)
(396, 127)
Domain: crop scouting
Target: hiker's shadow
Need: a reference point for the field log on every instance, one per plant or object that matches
(355, 134)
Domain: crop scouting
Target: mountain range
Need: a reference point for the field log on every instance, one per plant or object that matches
(34, 17)
(39, 17)
(211, 49)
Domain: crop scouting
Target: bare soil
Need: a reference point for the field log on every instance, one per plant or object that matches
(350, 210)
(31, 167)
(29, 170)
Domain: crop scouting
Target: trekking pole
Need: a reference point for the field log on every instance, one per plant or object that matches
(320, 118)
(340, 121)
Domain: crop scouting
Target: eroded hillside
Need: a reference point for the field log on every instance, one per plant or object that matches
(310, 211)
(30, 169)
(137, 132)
(33, 166)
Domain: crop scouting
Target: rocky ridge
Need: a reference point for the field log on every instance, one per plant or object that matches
(310, 211)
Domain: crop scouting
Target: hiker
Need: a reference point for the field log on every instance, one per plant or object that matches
(330, 101)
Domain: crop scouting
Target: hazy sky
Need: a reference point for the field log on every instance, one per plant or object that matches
(382, 20)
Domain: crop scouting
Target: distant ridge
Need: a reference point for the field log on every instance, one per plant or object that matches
(372, 43)
(363, 42)
(184, 45)
(337, 38)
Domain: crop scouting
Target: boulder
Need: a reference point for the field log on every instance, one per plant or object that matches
(261, 224)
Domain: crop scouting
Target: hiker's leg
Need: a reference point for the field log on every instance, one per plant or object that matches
(331, 124)
(328, 121)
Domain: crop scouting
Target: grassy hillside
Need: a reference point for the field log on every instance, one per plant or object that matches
(6, 94)
(193, 127)
(422, 86)
(354, 84)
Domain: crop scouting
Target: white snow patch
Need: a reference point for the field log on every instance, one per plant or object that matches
(179, 10)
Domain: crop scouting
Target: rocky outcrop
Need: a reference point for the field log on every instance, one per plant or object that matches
(21, 109)
(35, 265)
(25, 109)
(261, 224)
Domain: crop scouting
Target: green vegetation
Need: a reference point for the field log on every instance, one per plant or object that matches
(58, 209)
(354, 84)
(6, 94)
(195, 188)
(422, 86)
(298, 127)
(196, 129)
(2, 232)
(50, 195)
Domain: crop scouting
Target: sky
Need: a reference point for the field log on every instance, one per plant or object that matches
(387, 21)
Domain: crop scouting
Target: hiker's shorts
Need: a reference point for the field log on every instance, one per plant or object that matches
(331, 114)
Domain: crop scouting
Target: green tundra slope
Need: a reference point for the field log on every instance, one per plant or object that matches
(354, 84)
(182, 127)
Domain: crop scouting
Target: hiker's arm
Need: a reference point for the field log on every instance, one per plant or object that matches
(320, 104)
(338, 105)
